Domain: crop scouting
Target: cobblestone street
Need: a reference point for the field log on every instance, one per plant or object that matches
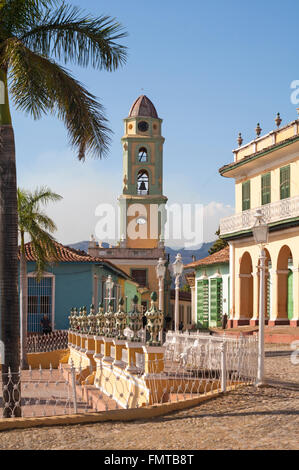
(247, 418)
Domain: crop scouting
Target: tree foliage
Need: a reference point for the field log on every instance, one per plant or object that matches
(218, 245)
(36, 36)
(34, 222)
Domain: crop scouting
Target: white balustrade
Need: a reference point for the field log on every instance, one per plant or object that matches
(273, 212)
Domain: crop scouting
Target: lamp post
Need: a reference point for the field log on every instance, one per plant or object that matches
(161, 270)
(261, 233)
(109, 286)
(177, 267)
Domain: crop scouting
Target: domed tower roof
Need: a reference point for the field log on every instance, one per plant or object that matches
(143, 107)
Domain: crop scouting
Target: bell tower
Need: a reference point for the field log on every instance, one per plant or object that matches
(143, 214)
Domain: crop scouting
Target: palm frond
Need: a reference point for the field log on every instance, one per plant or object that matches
(45, 222)
(44, 196)
(39, 85)
(69, 35)
(16, 16)
(39, 227)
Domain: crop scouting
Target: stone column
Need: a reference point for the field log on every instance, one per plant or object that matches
(99, 340)
(233, 287)
(193, 306)
(82, 345)
(133, 348)
(295, 320)
(154, 360)
(119, 346)
(78, 341)
(108, 342)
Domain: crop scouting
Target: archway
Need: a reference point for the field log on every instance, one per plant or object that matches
(143, 155)
(284, 285)
(246, 288)
(268, 286)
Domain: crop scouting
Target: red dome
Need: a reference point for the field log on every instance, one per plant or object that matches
(143, 107)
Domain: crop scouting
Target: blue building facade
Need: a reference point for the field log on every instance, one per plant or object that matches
(76, 279)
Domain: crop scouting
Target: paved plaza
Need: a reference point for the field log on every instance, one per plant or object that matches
(247, 418)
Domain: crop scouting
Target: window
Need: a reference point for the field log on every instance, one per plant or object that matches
(139, 276)
(142, 183)
(266, 189)
(143, 155)
(40, 302)
(246, 196)
(285, 174)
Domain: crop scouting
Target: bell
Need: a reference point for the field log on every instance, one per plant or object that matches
(142, 186)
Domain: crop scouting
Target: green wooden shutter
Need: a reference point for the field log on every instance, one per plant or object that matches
(216, 302)
(285, 174)
(246, 196)
(266, 189)
(203, 303)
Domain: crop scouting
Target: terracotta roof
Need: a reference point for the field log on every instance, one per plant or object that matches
(143, 107)
(220, 257)
(65, 254)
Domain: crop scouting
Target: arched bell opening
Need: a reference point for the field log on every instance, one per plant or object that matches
(143, 155)
(142, 183)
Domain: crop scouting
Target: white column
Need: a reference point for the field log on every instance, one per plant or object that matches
(261, 352)
(176, 305)
(232, 280)
(161, 294)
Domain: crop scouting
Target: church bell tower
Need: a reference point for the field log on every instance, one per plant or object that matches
(143, 214)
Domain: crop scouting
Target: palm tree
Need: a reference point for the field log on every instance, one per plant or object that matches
(34, 36)
(39, 227)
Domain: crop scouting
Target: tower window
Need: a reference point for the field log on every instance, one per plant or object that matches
(142, 183)
(143, 155)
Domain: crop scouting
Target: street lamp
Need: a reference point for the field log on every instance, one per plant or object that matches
(177, 267)
(161, 270)
(260, 232)
(109, 287)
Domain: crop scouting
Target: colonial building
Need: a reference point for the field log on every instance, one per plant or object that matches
(266, 174)
(142, 202)
(210, 287)
(75, 280)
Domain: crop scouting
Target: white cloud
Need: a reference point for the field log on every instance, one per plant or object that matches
(213, 212)
(86, 185)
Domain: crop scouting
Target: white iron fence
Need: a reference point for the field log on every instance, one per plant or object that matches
(190, 365)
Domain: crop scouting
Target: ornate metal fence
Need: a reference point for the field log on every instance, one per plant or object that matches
(57, 340)
(112, 368)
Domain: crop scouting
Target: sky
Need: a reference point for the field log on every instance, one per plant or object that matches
(212, 69)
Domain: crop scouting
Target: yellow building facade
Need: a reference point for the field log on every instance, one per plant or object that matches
(266, 174)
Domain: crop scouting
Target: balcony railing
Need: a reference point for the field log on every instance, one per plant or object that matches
(273, 212)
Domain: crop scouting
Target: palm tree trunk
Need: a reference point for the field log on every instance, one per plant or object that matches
(23, 305)
(9, 304)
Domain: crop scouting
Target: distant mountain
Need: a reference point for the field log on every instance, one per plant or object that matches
(199, 253)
